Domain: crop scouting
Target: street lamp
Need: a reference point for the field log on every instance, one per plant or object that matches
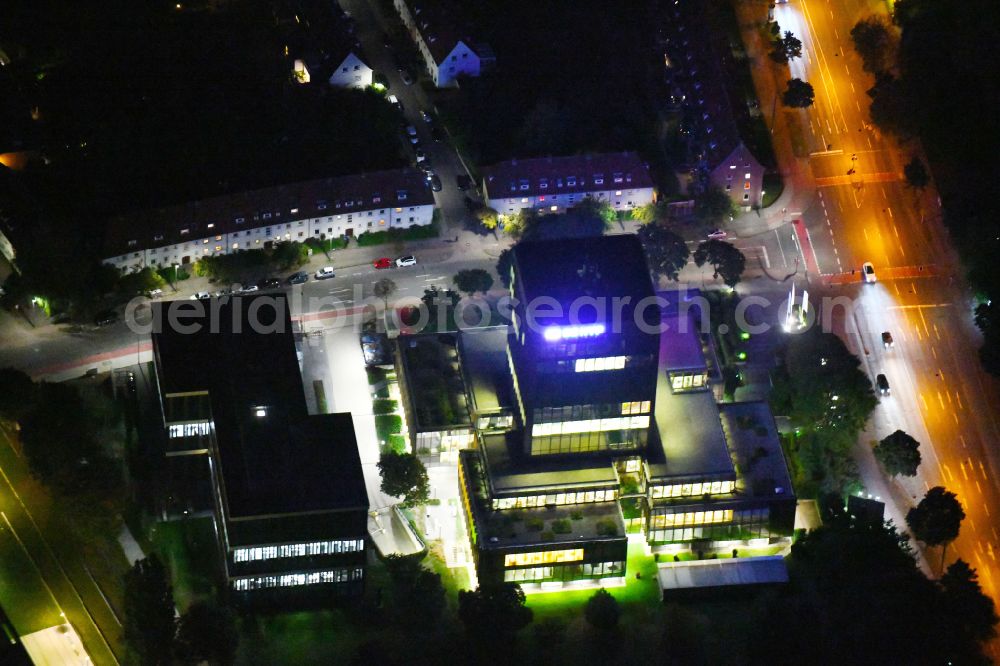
(176, 266)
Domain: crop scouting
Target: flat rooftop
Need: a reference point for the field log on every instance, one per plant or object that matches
(726, 572)
(511, 471)
(692, 441)
(436, 391)
(273, 456)
(753, 439)
(483, 353)
(680, 340)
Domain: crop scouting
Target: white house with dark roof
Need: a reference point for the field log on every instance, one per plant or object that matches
(351, 72)
(553, 184)
(446, 53)
(326, 208)
(741, 176)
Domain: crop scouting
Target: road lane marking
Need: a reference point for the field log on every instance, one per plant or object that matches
(961, 466)
(961, 438)
(890, 210)
(923, 400)
(950, 402)
(940, 400)
(895, 230)
(934, 352)
(954, 417)
(937, 333)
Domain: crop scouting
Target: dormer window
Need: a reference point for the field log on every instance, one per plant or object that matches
(598, 179)
(401, 195)
(559, 182)
(267, 216)
(294, 211)
(185, 231)
(158, 237)
(376, 199)
(337, 205)
(211, 225)
(543, 184)
(524, 184)
(618, 178)
(320, 205)
(240, 220)
(513, 186)
(571, 181)
(133, 243)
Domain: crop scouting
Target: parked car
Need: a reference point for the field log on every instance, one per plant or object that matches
(248, 289)
(395, 102)
(406, 76)
(463, 182)
(200, 295)
(269, 283)
(411, 130)
(325, 273)
(421, 155)
(868, 273)
(426, 117)
(155, 293)
(407, 260)
(105, 318)
(887, 340)
(718, 234)
(435, 183)
(297, 278)
(383, 262)
(436, 133)
(883, 384)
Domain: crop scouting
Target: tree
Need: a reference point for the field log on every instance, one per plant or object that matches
(666, 252)
(403, 475)
(899, 454)
(149, 612)
(207, 633)
(494, 611)
(713, 207)
(892, 106)
(937, 519)
(916, 174)
(786, 48)
(504, 264)
(874, 42)
(798, 94)
(727, 262)
(472, 280)
(17, 393)
(288, 255)
(140, 282)
(970, 613)
(418, 597)
(383, 289)
(602, 610)
(488, 217)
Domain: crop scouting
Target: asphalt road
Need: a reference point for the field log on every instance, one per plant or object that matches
(864, 211)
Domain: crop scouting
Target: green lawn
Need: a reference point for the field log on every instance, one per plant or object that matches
(189, 549)
(774, 185)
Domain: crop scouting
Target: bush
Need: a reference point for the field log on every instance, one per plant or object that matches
(535, 524)
(607, 527)
(547, 536)
(420, 232)
(397, 443)
(387, 424)
(576, 515)
(384, 406)
(561, 526)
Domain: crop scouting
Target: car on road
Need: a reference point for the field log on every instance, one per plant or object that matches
(105, 318)
(406, 76)
(395, 102)
(426, 167)
(155, 293)
(718, 234)
(435, 183)
(297, 278)
(382, 262)
(407, 260)
(421, 155)
(248, 289)
(882, 383)
(411, 130)
(887, 341)
(868, 273)
(463, 182)
(426, 117)
(200, 295)
(269, 283)
(325, 273)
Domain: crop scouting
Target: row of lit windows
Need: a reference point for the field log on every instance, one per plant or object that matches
(687, 381)
(637, 407)
(590, 425)
(529, 501)
(599, 364)
(296, 579)
(189, 429)
(298, 550)
(691, 518)
(543, 557)
(584, 571)
(581, 442)
(692, 489)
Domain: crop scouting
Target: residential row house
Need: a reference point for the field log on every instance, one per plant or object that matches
(447, 53)
(339, 207)
(555, 184)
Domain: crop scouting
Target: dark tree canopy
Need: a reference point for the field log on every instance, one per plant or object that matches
(971, 612)
(666, 252)
(384, 288)
(404, 475)
(798, 94)
(938, 518)
(207, 632)
(786, 48)
(899, 454)
(713, 207)
(875, 43)
(916, 174)
(504, 264)
(494, 611)
(473, 280)
(602, 610)
(727, 262)
(149, 612)
(17, 393)
(418, 598)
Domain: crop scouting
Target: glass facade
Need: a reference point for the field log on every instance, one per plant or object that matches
(543, 557)
(189, 429)
(557, 498)
(599, 364)
(692, 489)
(683, 382)
(298, 550)
(565, 572)
(685, 526)
(297, 579)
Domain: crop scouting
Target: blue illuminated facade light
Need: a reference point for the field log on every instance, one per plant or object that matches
(557, 333)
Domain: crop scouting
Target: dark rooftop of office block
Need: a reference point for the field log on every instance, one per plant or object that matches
(274, 458)
(434, 387)
(756, 449)
(483, 360)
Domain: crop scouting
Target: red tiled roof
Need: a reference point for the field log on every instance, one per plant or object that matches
(281, 205)
(577, 173)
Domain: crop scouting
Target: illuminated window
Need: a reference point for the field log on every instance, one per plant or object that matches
(189, 430)
(236, 246)
(660, 521)
(599, 364)
(747, 176)
(590, 425)
(211, 225)
(543, 557)
(257, 553)
(218, 248)
(295, 579)
(636, 407)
